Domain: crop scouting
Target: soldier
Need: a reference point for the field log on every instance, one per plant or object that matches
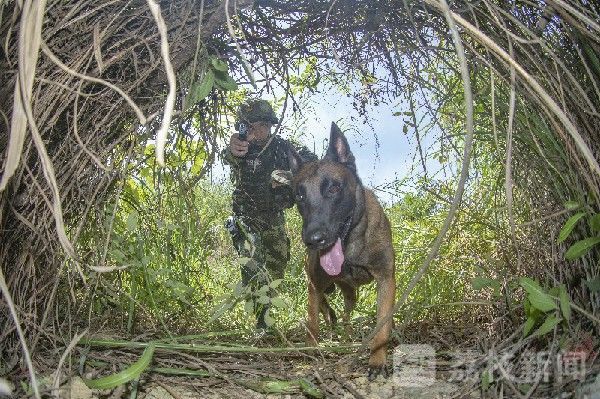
(259, 198)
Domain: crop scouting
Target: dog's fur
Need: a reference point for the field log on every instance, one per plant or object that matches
(334, 204)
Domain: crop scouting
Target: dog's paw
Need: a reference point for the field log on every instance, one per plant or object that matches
(375, 371)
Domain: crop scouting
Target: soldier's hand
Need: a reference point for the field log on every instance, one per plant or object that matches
(238, 147)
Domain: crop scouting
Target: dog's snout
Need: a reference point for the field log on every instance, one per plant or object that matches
(316, 238)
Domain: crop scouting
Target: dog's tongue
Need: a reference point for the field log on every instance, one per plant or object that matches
(332, 259)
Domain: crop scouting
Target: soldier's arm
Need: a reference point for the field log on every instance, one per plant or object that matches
(235, 151)
(229, 159)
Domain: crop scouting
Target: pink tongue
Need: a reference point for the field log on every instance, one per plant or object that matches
(332, 259)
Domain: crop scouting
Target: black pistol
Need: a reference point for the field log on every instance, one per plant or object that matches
(243, 131)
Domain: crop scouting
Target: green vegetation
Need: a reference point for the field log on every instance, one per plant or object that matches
(178, 274)
(178, 271)
(96, 239)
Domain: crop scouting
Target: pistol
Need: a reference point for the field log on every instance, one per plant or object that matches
(243, 131)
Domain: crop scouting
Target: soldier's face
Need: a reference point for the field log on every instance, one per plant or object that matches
(259, 131)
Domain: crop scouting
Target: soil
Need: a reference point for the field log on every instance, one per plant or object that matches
(416, 372)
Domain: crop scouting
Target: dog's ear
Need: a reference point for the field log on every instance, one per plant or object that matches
(339, 150)
(294, 159)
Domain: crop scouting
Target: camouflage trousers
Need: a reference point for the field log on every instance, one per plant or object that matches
(264, 254)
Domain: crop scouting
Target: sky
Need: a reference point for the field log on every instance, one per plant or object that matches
(383, 152)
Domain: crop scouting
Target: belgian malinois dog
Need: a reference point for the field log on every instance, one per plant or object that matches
(349, 241)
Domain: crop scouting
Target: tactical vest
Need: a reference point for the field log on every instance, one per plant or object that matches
(253, 197)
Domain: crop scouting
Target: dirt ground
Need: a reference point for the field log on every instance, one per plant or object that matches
(432, 362)
(257, 376)
(417, 371)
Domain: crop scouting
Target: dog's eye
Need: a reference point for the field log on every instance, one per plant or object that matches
(299, 197)
(334, 189)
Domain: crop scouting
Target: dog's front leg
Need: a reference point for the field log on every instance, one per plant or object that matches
(350, 296)
(315, 297)
(386, 291)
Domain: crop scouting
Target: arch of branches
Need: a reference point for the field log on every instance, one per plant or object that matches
(82, 83)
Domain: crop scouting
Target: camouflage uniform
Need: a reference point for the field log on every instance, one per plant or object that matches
(260, 237)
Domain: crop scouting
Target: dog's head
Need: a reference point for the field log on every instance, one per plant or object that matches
(326, 194)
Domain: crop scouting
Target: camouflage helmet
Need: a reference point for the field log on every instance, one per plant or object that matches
(255, 110)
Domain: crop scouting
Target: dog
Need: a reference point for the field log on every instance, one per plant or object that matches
(348, 238)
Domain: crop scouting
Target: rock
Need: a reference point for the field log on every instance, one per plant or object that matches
(6, 388)
(78, 389)
(589, 391)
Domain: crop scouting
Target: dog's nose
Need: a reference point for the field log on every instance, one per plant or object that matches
(316, 238)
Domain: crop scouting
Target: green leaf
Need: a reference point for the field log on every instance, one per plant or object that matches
(524, 388)
(594, 222)
(264, 299)
(486, 380)
(538, 298)
(197, 165)
(404, 129)
(239, 289)
(565, 303)
(225, 82)
(572, 205)
(548, 325)
(262, 290)
(171, 226)
(269, 321)
(276, 283)
(130, 373)
(279, 387)
(242, 260)
(581, 247)
(309, 389)
(117, 254)
(569, 226)
(218, 64)
(479, 283)
(528, 326)
(278, 302)
(199, 90)
(221, 309)
(249, 306)
(593, 285)
(132, 221)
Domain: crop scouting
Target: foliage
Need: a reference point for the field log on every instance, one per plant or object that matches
(124, 376)
(96, 93)
(167, 232)
(582, 246)
(472, 260)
